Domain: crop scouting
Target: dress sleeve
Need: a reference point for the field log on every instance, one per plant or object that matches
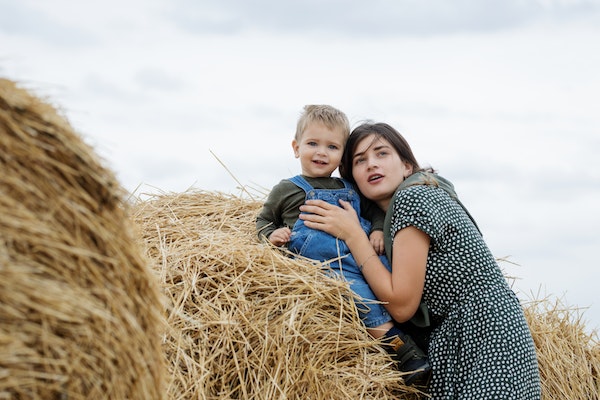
(418, 206)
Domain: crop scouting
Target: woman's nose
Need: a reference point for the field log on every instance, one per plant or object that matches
(371, 162)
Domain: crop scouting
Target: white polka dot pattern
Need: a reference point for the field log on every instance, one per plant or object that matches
(482, 348)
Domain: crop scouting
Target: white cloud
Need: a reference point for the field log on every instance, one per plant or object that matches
(377, 18)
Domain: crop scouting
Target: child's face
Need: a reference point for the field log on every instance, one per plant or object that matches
(319, 150)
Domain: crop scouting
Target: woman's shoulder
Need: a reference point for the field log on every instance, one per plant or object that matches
(420, 198)
(425, 182)
(427, 178)
(414, 193)
(416, 183)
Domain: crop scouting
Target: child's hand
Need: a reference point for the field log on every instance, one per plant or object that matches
(281, 236)
(376, 239)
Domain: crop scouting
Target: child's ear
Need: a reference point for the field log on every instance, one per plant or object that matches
(295, 146)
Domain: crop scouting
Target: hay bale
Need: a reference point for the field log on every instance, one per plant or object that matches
(248, 322)
(80, 311)
(568, 355)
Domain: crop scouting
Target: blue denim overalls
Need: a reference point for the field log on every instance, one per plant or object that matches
(321, 246)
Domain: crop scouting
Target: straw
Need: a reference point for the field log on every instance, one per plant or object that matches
(249, 322)
(80, 311)
(568, 354)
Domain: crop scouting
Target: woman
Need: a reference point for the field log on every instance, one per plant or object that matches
(481, 347)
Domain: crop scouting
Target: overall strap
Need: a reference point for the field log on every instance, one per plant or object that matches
(299, 181)
(347, 184)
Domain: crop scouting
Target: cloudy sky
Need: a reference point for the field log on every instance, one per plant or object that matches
(501, 97)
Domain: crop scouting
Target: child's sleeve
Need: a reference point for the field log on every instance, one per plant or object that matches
(270, 216)
(372, 213)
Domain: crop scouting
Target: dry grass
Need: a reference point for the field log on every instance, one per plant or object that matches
(80, 311)
(568, 355)
(248, 322)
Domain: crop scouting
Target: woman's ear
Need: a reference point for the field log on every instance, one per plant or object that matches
(408, 170)
(295, 146)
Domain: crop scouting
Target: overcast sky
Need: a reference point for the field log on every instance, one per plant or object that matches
(501, 97)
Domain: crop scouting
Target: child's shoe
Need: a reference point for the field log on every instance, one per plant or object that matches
(409, 357)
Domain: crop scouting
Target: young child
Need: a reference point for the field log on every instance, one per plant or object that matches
(321, 135)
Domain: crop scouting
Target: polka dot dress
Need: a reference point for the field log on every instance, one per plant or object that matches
(482, 348)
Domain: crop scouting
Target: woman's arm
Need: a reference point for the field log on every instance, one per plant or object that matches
(410, 250)
(402, 289)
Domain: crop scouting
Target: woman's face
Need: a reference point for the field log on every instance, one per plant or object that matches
(378, 169)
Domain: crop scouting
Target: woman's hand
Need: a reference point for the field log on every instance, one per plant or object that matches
(340, 222)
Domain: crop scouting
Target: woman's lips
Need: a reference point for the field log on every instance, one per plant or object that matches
(374, 178)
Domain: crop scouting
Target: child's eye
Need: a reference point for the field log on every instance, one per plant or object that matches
(311, 143)
(333, 147)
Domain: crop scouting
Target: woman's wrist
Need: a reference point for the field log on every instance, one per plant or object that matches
(361, 265)
(361, 249)
(357, 240)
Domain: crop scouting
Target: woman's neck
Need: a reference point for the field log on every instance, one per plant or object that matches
(383, 204)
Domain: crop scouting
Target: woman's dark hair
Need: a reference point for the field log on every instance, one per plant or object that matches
(379, 130)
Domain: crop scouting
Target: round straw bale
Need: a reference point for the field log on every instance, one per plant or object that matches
(81, 313)
(249, 322)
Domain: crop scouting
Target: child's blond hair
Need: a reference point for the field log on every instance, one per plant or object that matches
(330, 116)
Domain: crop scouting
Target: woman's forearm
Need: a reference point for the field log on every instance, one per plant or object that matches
(376, 274)
(402, 289)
